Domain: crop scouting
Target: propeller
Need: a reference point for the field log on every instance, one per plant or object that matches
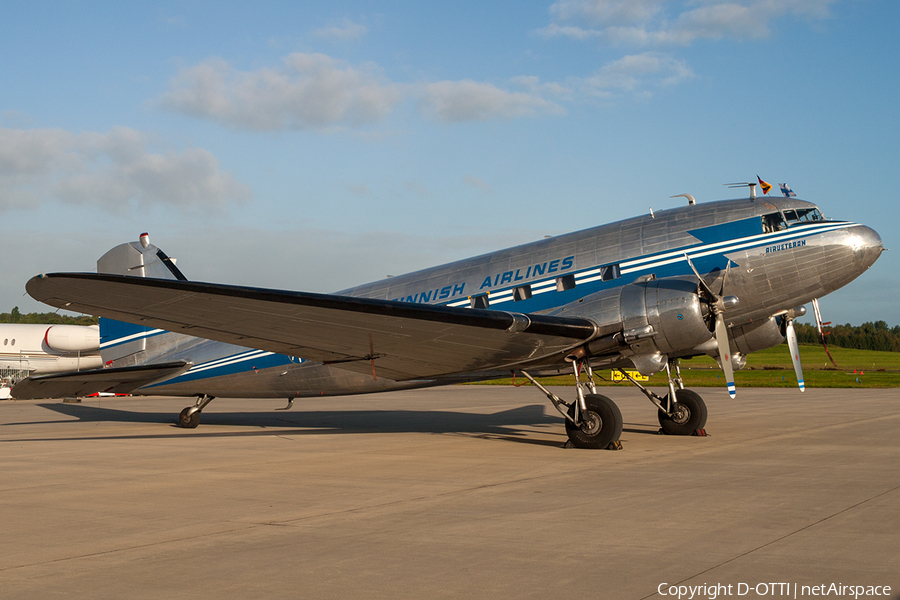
(791, 335)
(788, 331)
(718, 304)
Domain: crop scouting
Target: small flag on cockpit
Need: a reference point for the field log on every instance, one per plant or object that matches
(765, 186)
(788, 192)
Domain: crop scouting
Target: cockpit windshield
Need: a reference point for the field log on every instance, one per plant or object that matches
(790, 217)
(803, 215)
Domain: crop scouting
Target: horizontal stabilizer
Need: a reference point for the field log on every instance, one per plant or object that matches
(76, 384)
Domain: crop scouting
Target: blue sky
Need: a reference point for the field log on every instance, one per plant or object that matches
(314, 146)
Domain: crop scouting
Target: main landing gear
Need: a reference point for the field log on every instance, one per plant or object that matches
(686, 414)
(190, 416)
(592, 420)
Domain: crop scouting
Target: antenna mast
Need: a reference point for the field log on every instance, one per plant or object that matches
(750, 184)
(690, 198)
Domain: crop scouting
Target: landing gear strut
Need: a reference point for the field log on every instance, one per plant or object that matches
(681, 411)
(190, 416)
(592, 420)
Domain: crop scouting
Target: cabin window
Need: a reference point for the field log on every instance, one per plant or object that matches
(13, 342)
(566, 282)
(610, 272)
(479, 301)
(523, 292)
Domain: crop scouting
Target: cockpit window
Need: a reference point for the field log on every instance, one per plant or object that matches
(773, 222)
(809, 215)
(789, 217)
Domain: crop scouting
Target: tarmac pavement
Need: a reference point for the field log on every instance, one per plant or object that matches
(458, 492)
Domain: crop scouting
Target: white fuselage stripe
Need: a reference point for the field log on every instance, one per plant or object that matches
(131, 338)
(228, 360)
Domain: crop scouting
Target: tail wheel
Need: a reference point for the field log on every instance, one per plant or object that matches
(189, 418)
(688, 414)
(601, 425)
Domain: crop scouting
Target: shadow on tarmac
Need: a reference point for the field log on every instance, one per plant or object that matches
(504, 425)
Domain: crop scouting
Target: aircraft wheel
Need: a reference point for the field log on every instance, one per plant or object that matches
(601, 425)
(688, 414)
(188, 419)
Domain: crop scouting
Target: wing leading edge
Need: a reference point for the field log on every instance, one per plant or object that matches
(401, 341)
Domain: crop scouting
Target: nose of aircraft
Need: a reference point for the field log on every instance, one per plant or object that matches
(866, 243)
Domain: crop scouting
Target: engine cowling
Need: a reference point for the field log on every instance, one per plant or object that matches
(654, 318)
(757, 336)
(73, 338)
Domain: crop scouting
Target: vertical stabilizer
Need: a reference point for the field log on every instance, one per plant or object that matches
(139, 259)
(121, 344)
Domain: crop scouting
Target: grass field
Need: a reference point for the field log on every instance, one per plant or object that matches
(772, 368)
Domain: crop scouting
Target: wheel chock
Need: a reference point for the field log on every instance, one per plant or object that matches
(616, 445)
(696, 432)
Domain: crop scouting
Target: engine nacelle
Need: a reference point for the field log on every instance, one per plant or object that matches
(656, 317)
(756, 336)
(73, 338)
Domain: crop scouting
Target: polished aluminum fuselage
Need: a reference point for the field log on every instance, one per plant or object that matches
(769, 272)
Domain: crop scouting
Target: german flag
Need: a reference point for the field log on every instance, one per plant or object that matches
(765, 186)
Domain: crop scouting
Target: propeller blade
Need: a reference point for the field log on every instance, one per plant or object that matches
(725, 277)
(791, 336)
(725, 353)
(703, 283)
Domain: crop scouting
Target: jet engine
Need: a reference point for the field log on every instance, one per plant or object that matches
(72, 338)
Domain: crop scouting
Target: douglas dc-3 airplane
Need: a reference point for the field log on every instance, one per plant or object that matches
(720, 278)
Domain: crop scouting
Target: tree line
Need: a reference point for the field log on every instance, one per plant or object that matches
(51, 318)
(868, 336)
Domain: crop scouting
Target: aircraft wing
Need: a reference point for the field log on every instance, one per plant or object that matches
(84, 383)
(396, 340)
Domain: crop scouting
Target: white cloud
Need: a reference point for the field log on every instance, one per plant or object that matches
(467, 100)
(636, 74)
(416, 187)
(347, 30)
(359, 189)
(111, 170)
(309, 91)
(533, 84)
(317, 92)
(606, 12)
(477, 182)
(658, 23)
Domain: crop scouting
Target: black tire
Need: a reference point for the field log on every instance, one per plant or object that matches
(602, 423)
(187, 419)
(688, 414)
